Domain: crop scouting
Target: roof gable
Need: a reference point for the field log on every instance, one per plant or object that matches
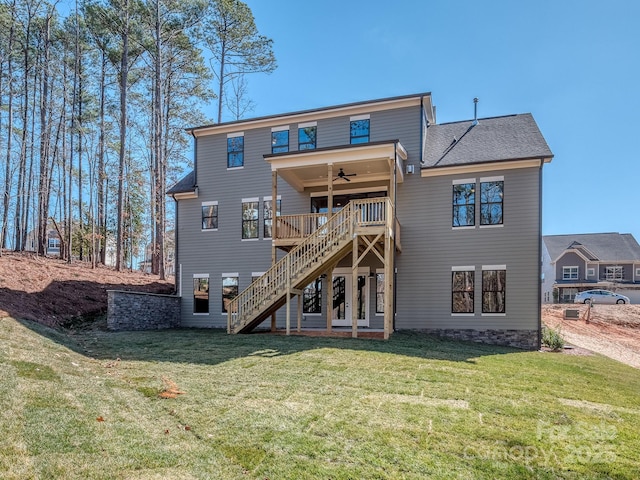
(603, 247)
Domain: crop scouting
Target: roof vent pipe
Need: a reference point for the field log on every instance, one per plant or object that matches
(475, 111)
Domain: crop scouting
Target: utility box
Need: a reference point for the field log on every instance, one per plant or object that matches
(571, 314)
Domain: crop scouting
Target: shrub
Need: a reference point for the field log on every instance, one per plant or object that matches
(552, 338)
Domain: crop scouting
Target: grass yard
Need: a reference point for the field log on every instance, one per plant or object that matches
(261, 406)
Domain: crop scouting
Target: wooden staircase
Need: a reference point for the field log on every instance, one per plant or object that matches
(315, 254)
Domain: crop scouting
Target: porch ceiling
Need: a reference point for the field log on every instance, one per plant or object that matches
(371, 163)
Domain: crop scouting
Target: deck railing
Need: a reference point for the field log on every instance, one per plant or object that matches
(327, 236)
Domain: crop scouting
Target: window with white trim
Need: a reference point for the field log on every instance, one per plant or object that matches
(379, 291)
(614, 272)
(359, 129)
(235, 150)
(491, 200)
(200, 293)
(267, 215)
(307, 136)
(591, 272)
(570, 273)
(464, 203)
(638, 273)
(494, 283)
(210, 215)
(53, 243)
(229, 289)
(462, 289)
(250, 218)
(280, 139)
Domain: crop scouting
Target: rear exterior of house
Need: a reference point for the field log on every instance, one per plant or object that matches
(433, 227)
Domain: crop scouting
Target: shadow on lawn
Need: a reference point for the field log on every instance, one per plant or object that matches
(213, 346)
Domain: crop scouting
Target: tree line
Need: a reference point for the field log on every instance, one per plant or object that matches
(94, 100)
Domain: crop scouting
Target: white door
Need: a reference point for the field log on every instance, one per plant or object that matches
(342, 302)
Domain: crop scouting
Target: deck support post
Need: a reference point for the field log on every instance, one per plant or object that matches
(274, 230)
(329, 290)
(354, 287)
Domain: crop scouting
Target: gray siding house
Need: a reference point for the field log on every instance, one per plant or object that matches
(432, 227)
(579, 262)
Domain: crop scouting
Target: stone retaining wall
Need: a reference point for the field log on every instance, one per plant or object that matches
(525, 339)
(142, 311)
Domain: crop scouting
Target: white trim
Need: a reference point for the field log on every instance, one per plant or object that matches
(252, 199)
(251, 239)
(206, 204)
(498, 225)
(591, 272)
(235, 274)
(571, 267)
(482, 167)
(499, 178)
(355, 118)
(494, 267)
(200, 314)
(308, 124)
(463, 314)
(493, 314)
(209, 230)
(329, 112)
(200, 275)
(235, 168)
(465, 268)
(268, 198)
(637, 272)
(281, 128)
(257, 274)
(235, 134)
(463, 181)
(464, 227)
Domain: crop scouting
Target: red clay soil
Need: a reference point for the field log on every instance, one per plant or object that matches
(612, 330)
(55, 293)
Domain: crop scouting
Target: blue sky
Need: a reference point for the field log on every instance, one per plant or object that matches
(575, 65)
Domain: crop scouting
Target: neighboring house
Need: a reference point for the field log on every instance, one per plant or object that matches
(574, 263)
(435, 227)
(169, 267)
(53, 242)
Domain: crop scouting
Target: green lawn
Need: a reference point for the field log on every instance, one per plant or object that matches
(262, 406)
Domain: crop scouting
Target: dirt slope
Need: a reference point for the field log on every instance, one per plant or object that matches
(612, 330)
(52, 292)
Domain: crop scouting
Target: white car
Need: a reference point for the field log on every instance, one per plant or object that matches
(600, 296)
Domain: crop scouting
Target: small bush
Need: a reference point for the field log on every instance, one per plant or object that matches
(552, 339)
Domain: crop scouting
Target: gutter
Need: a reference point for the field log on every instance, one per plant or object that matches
(539, 260)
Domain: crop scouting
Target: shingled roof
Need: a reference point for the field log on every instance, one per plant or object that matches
(607, 247)
(185, 185)
(511, 137)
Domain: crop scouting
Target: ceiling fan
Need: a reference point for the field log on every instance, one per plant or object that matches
(344, 176)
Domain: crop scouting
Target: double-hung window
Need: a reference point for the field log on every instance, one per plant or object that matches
(494, 283)
(570, 273)
(307, 136)
(359, 129)
(201, 293)
(462, 289)
(267, 213)
(464, 203)
(210, 215)
(229, 289)
(250, 218)
(235, 150)
(491, 200)
(279, 139)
